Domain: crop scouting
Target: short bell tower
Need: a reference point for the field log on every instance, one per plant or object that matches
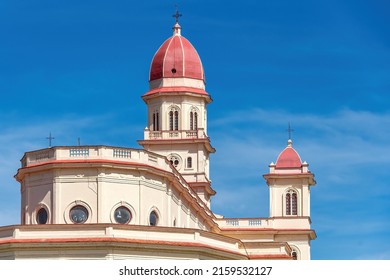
(289, 181)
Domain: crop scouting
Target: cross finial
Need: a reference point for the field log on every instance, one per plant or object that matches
(289, 129)
(50, 138)
(177, 15)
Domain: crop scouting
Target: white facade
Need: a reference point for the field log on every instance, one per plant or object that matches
(103, 202)
(103, 178)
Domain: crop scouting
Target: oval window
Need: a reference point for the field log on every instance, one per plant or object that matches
(42, 216)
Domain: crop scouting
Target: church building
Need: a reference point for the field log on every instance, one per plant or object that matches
(105, 202)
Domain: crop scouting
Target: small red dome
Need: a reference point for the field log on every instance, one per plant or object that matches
(289, 158)
(176, 58)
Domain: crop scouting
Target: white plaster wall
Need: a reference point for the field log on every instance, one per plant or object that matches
(38, 194)
(298, 242)
(278, 190)
(184, 105)
(200, 159)
(101, 190)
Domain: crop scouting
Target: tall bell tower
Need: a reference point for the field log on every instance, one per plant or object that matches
(177, 114)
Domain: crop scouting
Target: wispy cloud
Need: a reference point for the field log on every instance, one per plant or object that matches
(343, 138)
(19, 136)
(347, 150)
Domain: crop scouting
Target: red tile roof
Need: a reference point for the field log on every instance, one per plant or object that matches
(289, 158)
(176, 58)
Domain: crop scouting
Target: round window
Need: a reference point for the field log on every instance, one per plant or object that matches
(78, 214)
(42, 216)
(122, 215)
(153, 218)
(175, 161)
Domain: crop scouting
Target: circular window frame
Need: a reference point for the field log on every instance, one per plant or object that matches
(124, 205)
(177, 157)
(67, 217)
(127, 217)
(79, 208)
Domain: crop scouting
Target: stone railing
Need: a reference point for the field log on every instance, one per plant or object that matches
(244, 223)
(93, 152)
(263, 223)
(174, 134)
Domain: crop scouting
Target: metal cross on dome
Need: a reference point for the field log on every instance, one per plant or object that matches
(177, 15)
(289, 129)
(50, 138)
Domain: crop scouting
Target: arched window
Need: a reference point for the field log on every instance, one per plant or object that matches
(189, 162)
(176, 120)
(173, 119)
(193, 120)
(153, 218)
(294, 204)
(291, 203)
(156, 121)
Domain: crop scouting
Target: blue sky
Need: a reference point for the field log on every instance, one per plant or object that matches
(78, 69)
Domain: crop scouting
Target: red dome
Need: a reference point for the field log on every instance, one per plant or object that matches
(289, 158)
(176, 58)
